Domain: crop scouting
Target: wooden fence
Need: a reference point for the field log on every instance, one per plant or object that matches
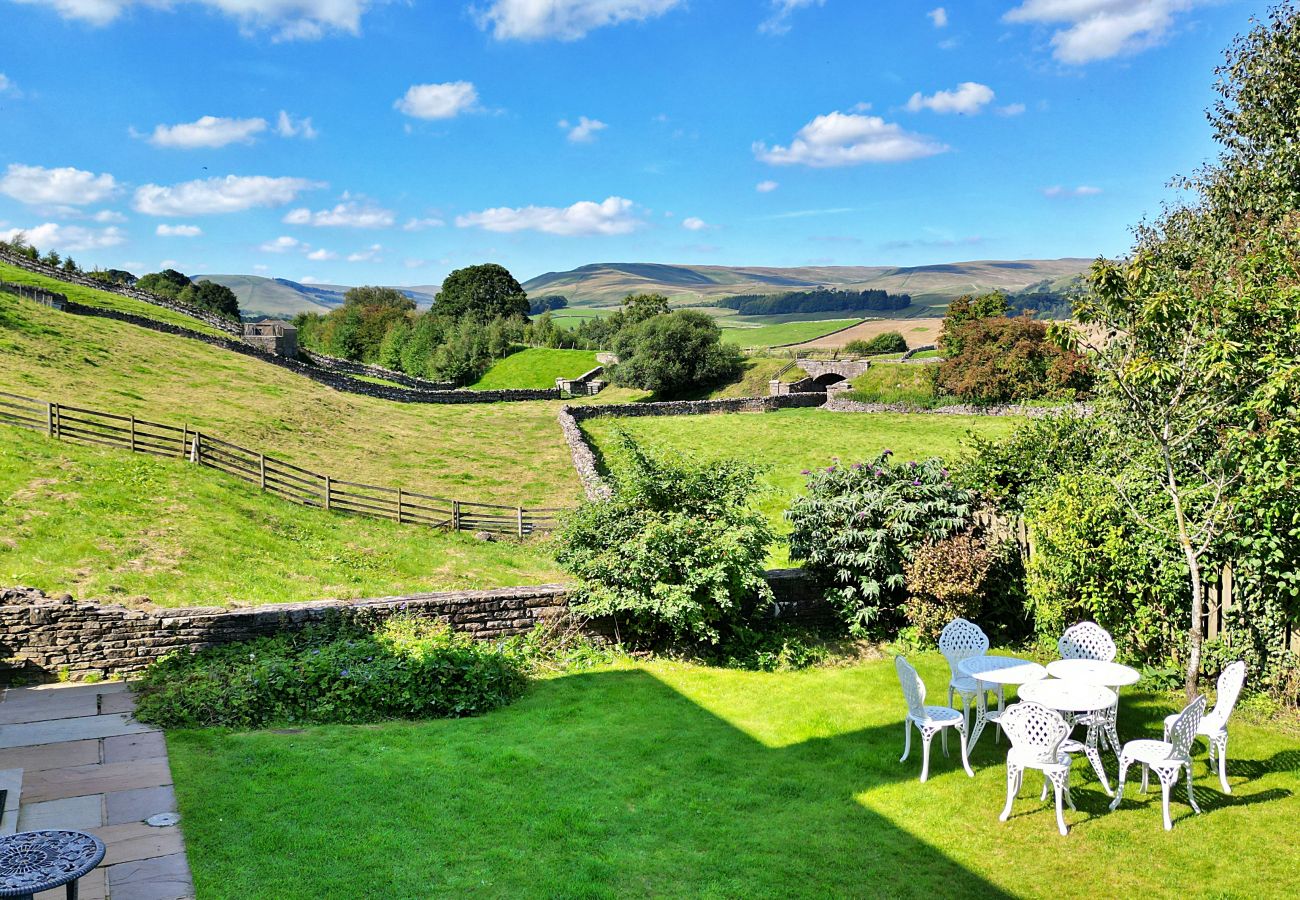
(1220, 599)
(275, 476)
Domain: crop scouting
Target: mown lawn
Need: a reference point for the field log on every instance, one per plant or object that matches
(107, 524)
(103, 299)
(784, 333)
(676, 780)
(509, 453)
(791, 440)
(535, 367)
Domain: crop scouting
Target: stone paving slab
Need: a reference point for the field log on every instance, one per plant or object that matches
(100, 778)
(57, 731)
(80, 813)
(50, 756)
(160, 878)
(139, 804)
(128, 747)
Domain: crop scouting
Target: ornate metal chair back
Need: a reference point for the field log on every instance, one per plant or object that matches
(1087, 640)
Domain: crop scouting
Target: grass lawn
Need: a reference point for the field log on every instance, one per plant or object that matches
(112, 525)
(509, 453)
(785, 333)
(536, 367)
(897, 382)
(682, 781)
(791, 440)
(102, 299)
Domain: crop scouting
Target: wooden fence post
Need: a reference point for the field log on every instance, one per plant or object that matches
(399, 506)
(261, 470)
(520, 512)
(58, 420)
(455, 515)
(196, 450)
(132, 434)
(185, 440)
(49, 419)
(327, 491)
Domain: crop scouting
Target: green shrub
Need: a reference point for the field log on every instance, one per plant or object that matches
(675, 353)
(946, 579)
(407, 668)
(675, 554)
(1005, 360)
(780, 647)
(885, 342)
(858, 525)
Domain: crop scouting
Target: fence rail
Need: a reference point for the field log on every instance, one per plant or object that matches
(274, 476)
(1220, 595)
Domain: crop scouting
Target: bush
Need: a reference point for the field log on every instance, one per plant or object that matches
(858, 526)
(886, 342)
(675, 353)
(676, 553)
(407, 668)
(1005, 360)
(946, 579)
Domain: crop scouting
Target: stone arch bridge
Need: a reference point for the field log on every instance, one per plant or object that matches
(824, 375)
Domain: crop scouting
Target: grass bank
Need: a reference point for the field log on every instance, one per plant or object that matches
(111, 525)
(535, 367)
(683, 781)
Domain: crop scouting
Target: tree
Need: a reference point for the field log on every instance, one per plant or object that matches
(639, 307)
(1003, 360)
(168, 283)
(484, 292)
(966, 309)
(381, 297)
(675, 353)
(212, 296)
(390, 349)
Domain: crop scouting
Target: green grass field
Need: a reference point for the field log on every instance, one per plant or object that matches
(791, 440)
(674, 780)
(897, 382)
(753, 382)
(102, 299)
(509, 453)
(535, 367)
(776, 335)
(112, 525)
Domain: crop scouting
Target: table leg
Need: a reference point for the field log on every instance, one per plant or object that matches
(1112, 732)
(981, 714)
(1094, 757)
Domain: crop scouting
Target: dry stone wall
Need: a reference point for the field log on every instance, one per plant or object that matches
(44, 637)
(349, 367)
(960, 409)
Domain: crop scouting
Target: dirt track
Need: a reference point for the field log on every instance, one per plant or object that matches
(918, 332)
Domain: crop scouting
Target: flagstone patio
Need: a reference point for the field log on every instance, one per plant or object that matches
(71, 756)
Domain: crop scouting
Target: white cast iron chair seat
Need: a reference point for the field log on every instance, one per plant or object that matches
(1169, 758)
(1038, 740)
(1151, 753)
(938, 715)
(928, 719)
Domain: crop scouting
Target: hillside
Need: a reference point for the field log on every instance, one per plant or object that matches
(606, 284)
(282, 298)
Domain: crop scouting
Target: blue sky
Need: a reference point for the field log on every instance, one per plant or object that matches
(361, 141)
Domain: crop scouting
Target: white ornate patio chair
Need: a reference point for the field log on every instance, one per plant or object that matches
(1168, 758)
(1088, 640)
(1037, 735)
(1214, 725)
(927, 719)
(962, 639)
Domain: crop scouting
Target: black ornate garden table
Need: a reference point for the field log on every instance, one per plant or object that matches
(35, 861)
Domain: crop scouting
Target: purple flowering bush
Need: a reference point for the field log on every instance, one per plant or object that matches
(857, 526)
(406, 668)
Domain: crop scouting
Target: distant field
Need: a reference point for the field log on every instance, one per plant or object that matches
(101, 299)
(572, 318)
(791, 440)
(779, 335)
(536, 367)
(108, 524)
(917, 332)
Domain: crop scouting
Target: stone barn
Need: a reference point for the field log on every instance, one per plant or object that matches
(274, 336)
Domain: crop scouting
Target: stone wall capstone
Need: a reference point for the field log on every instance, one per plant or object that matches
(698, 407)
(349, 367)
(44, 637)
(959, 409)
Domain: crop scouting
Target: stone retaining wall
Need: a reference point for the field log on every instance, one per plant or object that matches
(698, 407)
(960, 409)
(45, 637)
(584, 458)
(349, 367)
(195, 312)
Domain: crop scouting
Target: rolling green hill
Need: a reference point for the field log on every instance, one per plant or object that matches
(282, 298)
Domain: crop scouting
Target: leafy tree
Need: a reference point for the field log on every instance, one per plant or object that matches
(639, 307)
(70, 266)
(674, 354)
(211, 296)
(964, 310)
(885, 342)
(676, 552)
(53, 260)
(539, 305)
(484, 292)
(390, 349)
(857, 526)
(168, 283)
(1001, 360)
(372, 296)
(418, 350)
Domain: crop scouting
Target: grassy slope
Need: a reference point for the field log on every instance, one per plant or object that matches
(896, 382)
(536, 367)
(102, 299)
(508, 453)
(787, 333)
(104, 523)
(753, 382)
(792, 440)
(681, 781)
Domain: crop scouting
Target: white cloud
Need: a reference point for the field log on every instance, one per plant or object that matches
(178, 231)
(1089, 30)
(694, 223)
(843, 139)
(566, 20)
(322, 255)
(1083, 190)
(37, 186)
(612, 216)
(207, 132)
(348, 214)
(7, 86)
(421, 224)
(65, 238)
(370, 254)
(778, 22)
(584, 132)
(234, 193)
(286, 126)
(108, 216)
(287, 19)
(282, 244)
(415, 263)
(1011, 109)
(766, 187)
(938, 17)
(968, 99)
(438, 101)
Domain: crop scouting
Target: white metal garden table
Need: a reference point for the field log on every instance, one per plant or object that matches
(1076, 697)
(1107, 674)
(997, 670)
